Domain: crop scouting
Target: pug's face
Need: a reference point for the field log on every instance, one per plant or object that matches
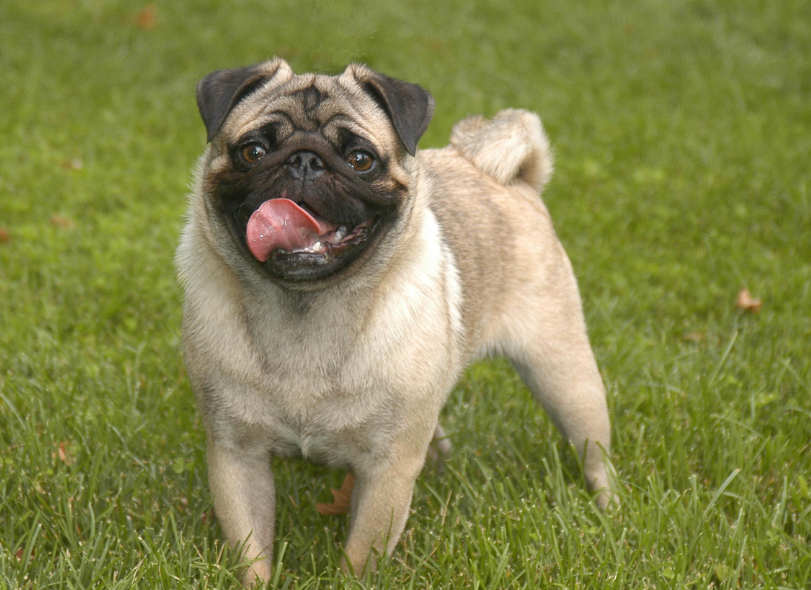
(306, 175)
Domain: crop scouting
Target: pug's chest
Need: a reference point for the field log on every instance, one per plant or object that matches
(330, 385)
(324, 412)
(318, 443)
(332, 427)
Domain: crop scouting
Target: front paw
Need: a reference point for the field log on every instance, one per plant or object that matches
(257, 574)
(357, 563)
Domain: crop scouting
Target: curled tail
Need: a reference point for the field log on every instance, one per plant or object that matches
(512, 146)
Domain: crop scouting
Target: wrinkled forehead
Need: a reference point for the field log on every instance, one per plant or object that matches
(313, 103)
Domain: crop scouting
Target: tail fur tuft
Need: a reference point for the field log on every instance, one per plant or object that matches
(512, 146)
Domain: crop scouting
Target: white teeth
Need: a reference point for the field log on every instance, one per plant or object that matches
(316, 248)
(338, 235)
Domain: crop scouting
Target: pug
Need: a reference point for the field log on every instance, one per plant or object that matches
(338, 281)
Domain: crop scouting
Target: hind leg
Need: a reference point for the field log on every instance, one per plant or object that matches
(440, 448)
(558, 367)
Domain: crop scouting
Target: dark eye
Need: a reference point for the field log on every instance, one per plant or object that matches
(253, 152)
(361, 161)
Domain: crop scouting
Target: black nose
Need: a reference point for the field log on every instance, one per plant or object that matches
(305, 165)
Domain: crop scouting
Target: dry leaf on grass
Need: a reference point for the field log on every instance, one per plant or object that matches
(746, 302)
(74, 164)
(147, 19)
(61, 221)
(341, 498)
(207, 516)
(62, 453)
(4, 235)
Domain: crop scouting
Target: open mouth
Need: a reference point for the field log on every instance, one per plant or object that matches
(283, 227)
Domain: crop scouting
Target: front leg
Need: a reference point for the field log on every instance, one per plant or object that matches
(245, 502)
(380, 502)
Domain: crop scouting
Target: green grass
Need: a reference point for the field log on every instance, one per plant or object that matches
(682, 132)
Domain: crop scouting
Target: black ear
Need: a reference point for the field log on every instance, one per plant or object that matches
(220, 91)
(410, 107)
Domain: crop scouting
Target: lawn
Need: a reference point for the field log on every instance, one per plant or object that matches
(682, 132)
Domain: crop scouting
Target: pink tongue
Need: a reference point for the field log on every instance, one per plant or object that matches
(281, 224)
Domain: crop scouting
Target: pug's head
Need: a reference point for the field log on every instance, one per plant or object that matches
(306, 175)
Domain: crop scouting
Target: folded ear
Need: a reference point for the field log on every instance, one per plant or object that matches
(410, 107)
(220, 91)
